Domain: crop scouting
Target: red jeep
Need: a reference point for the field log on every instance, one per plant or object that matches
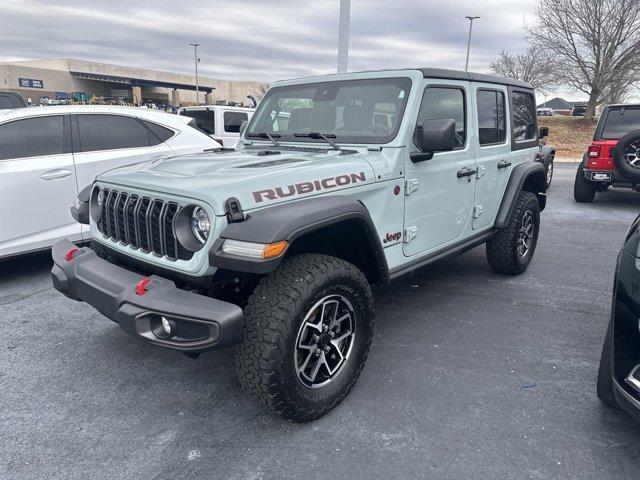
(613, 158)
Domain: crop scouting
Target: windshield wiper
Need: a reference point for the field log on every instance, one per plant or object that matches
(326, 137)
(268, 136)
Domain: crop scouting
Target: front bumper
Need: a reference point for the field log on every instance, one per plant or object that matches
(198, 323)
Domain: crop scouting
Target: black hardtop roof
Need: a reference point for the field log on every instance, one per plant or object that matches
(474, 77)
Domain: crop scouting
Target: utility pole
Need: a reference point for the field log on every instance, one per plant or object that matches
(196, 59)
(343, 36)
(471, 19)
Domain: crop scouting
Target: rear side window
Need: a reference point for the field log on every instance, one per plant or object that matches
(621, 121)
(5, 103)
(111, 132)
(205, 119)
(444, 103)
(491, 117)
(233, 121)
(524, 116)
(159, 133)
(32, 137)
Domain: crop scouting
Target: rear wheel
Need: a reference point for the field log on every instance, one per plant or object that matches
(511, 250)
(583, 190)
(605, 381)
(306, 336)
(549, 173)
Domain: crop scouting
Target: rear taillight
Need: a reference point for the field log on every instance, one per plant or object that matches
(594, 151)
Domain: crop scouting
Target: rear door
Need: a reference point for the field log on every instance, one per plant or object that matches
(37, 184)
(105, 141)
(493, 151)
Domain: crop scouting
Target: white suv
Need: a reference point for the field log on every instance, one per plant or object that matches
(220, 122)
(48, 154)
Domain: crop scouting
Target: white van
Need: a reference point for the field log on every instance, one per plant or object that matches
(220, 122)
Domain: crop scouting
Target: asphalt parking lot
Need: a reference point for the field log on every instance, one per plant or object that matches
(470, 375)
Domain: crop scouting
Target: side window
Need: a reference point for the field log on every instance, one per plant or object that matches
(32, 137)
(444, 103)
(111, 132)
(5, 103)
(491, 117)
(233, 121)
(159, 133)
(524, 116)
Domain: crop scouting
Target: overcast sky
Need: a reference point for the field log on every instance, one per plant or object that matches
(262, 39)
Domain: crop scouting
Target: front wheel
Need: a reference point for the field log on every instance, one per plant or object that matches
(511, 250)
(306, 336)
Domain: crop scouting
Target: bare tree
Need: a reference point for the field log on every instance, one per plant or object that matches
(261, 90)
(532, 66)
(595, 42)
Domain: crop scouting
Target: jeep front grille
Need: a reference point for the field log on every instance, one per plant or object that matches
(142, 223)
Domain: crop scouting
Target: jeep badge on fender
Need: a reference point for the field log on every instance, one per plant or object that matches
(337, 183)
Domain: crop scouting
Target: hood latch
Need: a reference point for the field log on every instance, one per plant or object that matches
(234, 210)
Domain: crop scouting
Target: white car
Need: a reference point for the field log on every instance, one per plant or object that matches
(222, 123)
(47, 155)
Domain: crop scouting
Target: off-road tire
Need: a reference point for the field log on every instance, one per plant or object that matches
(605, 382)
(584, 191)
(619, 156)
(548, 173)
(502, 250)
(272, 319)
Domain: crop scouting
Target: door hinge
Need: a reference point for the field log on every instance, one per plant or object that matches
(481, 171)
(410, 233)
(477, 211)
(411, 185)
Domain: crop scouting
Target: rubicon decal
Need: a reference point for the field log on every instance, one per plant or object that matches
(308, 187)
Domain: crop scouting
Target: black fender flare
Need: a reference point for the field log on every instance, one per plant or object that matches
(547, 153)
(288, 222)
(531, 174)
(81, 213)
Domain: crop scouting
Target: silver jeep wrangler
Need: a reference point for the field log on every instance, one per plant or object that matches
(338, 183)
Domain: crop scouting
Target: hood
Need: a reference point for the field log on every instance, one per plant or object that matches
(253, 177)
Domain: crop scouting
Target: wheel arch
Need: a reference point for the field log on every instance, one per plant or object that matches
(529, 177)
(333, 225)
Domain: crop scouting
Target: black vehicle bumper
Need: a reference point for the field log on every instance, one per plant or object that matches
(197, 323)
(626, 334)
(609, 177)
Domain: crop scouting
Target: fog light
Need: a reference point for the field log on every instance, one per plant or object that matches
(166, 326)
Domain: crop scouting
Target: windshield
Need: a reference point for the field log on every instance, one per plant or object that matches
(621, 121)
(355, 111)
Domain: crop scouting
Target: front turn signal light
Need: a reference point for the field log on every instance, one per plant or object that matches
(262, 251)
(273, 250)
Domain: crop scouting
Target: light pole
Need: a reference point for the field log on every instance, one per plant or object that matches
(471, 19)
(196, 59)
(343, 36)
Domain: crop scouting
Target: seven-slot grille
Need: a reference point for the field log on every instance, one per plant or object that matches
(141, 222)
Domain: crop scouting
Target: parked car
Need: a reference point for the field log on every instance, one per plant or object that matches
(220, 122)
(298, 223)
(619, 373)
(613, 158)
(47, 153)
(10, 100)
(545, 112)
(579, 110)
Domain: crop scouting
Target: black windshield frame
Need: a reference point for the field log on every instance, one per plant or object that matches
(260, 121)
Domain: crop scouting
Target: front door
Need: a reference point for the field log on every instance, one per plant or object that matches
(440, 192)
(37, 184)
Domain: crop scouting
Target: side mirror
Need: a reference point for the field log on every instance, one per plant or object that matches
(243, 127)
(543, 132)
(438, 135)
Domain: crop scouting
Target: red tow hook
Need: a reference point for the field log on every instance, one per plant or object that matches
(70, 253)
(141, 286)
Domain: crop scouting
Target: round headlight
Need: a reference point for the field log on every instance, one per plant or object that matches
(200, 224)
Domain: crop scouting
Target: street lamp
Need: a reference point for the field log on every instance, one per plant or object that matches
(343, 36)
(471, 19)
(196, 60)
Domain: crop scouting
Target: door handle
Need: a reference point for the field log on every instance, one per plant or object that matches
(466, 172)
(504, 164)
(56, 174)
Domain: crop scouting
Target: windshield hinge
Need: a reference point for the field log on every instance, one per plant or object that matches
(411, 185)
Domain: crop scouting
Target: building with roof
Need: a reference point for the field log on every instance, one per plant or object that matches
(80, 80)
